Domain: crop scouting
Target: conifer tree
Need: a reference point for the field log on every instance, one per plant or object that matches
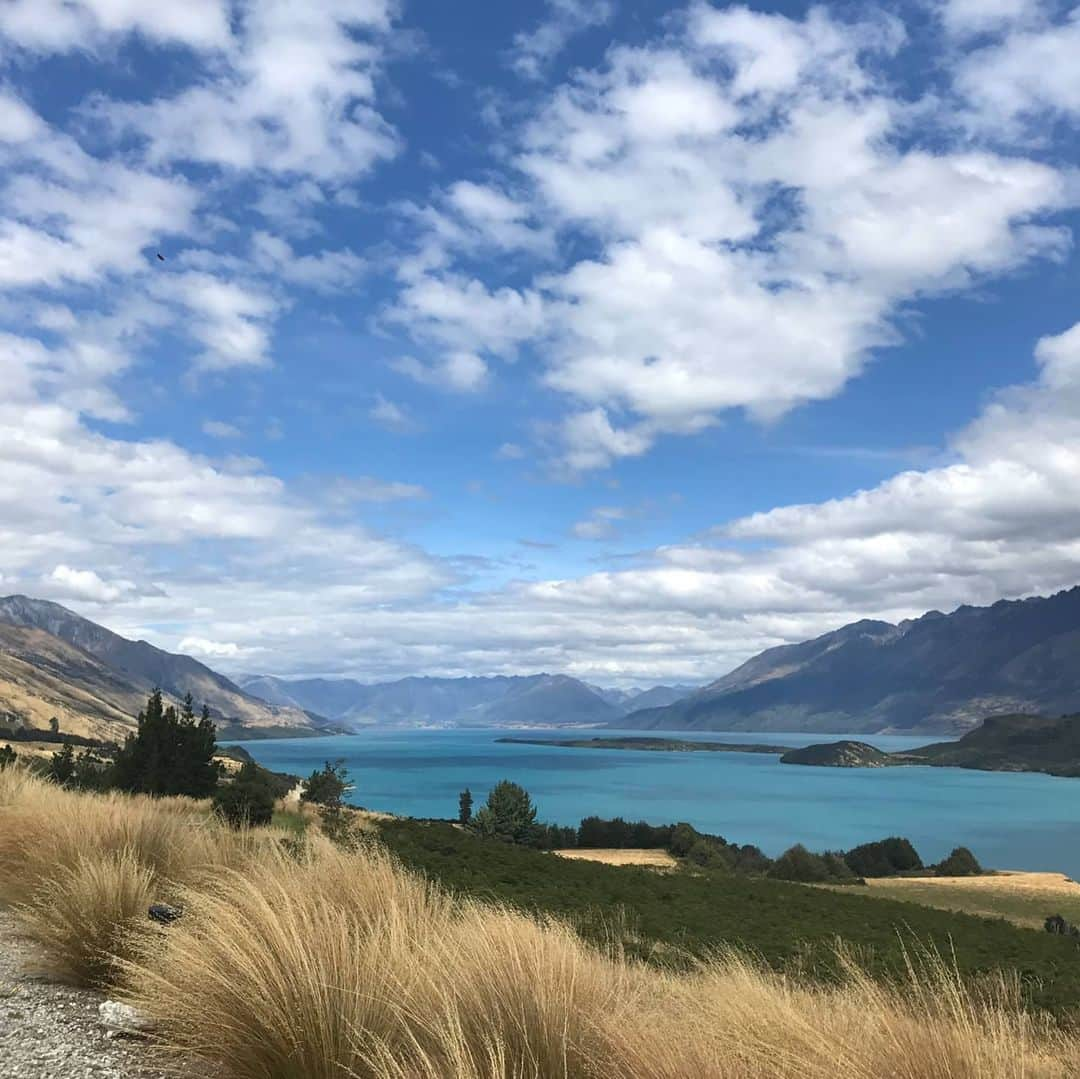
(169, 753)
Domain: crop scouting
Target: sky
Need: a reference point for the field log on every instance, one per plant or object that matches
(616, 339)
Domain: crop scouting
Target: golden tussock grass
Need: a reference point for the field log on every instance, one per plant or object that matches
(300, 960)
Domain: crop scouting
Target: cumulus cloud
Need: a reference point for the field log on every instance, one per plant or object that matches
(293, 92)
(535, 49)
(463, 371)
(66, 25)
(1029, 71)
(85, 584)
(200, 646)
(757, 211)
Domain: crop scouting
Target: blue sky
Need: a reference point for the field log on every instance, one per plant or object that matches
(617, 339)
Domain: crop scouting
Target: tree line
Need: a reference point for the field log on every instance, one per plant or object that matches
(509, 815)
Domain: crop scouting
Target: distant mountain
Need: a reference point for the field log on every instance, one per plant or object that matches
(940, 672)
(630, 700)
(55, 662)
(532, 700)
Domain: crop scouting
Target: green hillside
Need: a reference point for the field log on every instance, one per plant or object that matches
(666, 917)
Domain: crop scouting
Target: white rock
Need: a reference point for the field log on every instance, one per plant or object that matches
(114, 1015)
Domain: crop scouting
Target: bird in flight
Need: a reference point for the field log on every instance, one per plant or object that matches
(161, 256)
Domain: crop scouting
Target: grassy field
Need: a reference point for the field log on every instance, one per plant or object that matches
(665, 916)
(1026, 899)
(310, 960)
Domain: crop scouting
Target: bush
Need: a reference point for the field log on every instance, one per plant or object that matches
(960, 863)
(508, 814)
(7, 756)
(247, 801)
(683, 837)
(799, 864)
(884, 858)
(327, 788)
(708, 854)
(62, 766)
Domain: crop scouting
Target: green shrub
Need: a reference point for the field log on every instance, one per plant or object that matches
(960, 863)
(62, 766)
(799, 864)
(883, 858)
(247, 801)
(683, 837)
(708, 854)
(327, 788)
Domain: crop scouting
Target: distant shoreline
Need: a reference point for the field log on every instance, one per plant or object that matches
(652, 745)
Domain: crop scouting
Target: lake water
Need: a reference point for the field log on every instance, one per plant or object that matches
(1010, 820)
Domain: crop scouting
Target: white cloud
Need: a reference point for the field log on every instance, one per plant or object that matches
(69, 217)
(964, 18)
(84, 584)
(535, 49)
(462, 371)
(391, 415)
(344, 491)
(510, 451)
(293, 93)
(229, 319)
(65, 25)
(600, 524)
(200, 646)
(758, 213)
(1030, 72)
(220, 429)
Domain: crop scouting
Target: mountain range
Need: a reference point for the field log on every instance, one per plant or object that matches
(937, 673)
(499, 701)
(54, 662)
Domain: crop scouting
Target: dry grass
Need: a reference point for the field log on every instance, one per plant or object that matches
(81, 869)
(1023, 898)
(655, 858)
(310, 962)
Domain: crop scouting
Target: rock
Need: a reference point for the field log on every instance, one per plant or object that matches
(163, 913)
(120, 1018)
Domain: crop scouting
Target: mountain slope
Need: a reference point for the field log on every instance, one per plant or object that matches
(503, 700)
(935, 673)
(66, 654)
(42, 677)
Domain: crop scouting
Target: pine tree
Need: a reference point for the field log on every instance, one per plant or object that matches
(508, 814)
(169, 753)
(465, 806)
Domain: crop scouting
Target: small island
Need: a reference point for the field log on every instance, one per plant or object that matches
(845, 754)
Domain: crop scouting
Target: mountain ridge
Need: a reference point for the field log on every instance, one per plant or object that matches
(939, 673)
(496, 700)
(54, 660)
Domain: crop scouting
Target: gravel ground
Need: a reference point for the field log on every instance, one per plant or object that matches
(50, 1031)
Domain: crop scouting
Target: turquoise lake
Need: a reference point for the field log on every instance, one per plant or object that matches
(1010, 820)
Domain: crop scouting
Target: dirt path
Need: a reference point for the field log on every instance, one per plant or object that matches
(50, 1031)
